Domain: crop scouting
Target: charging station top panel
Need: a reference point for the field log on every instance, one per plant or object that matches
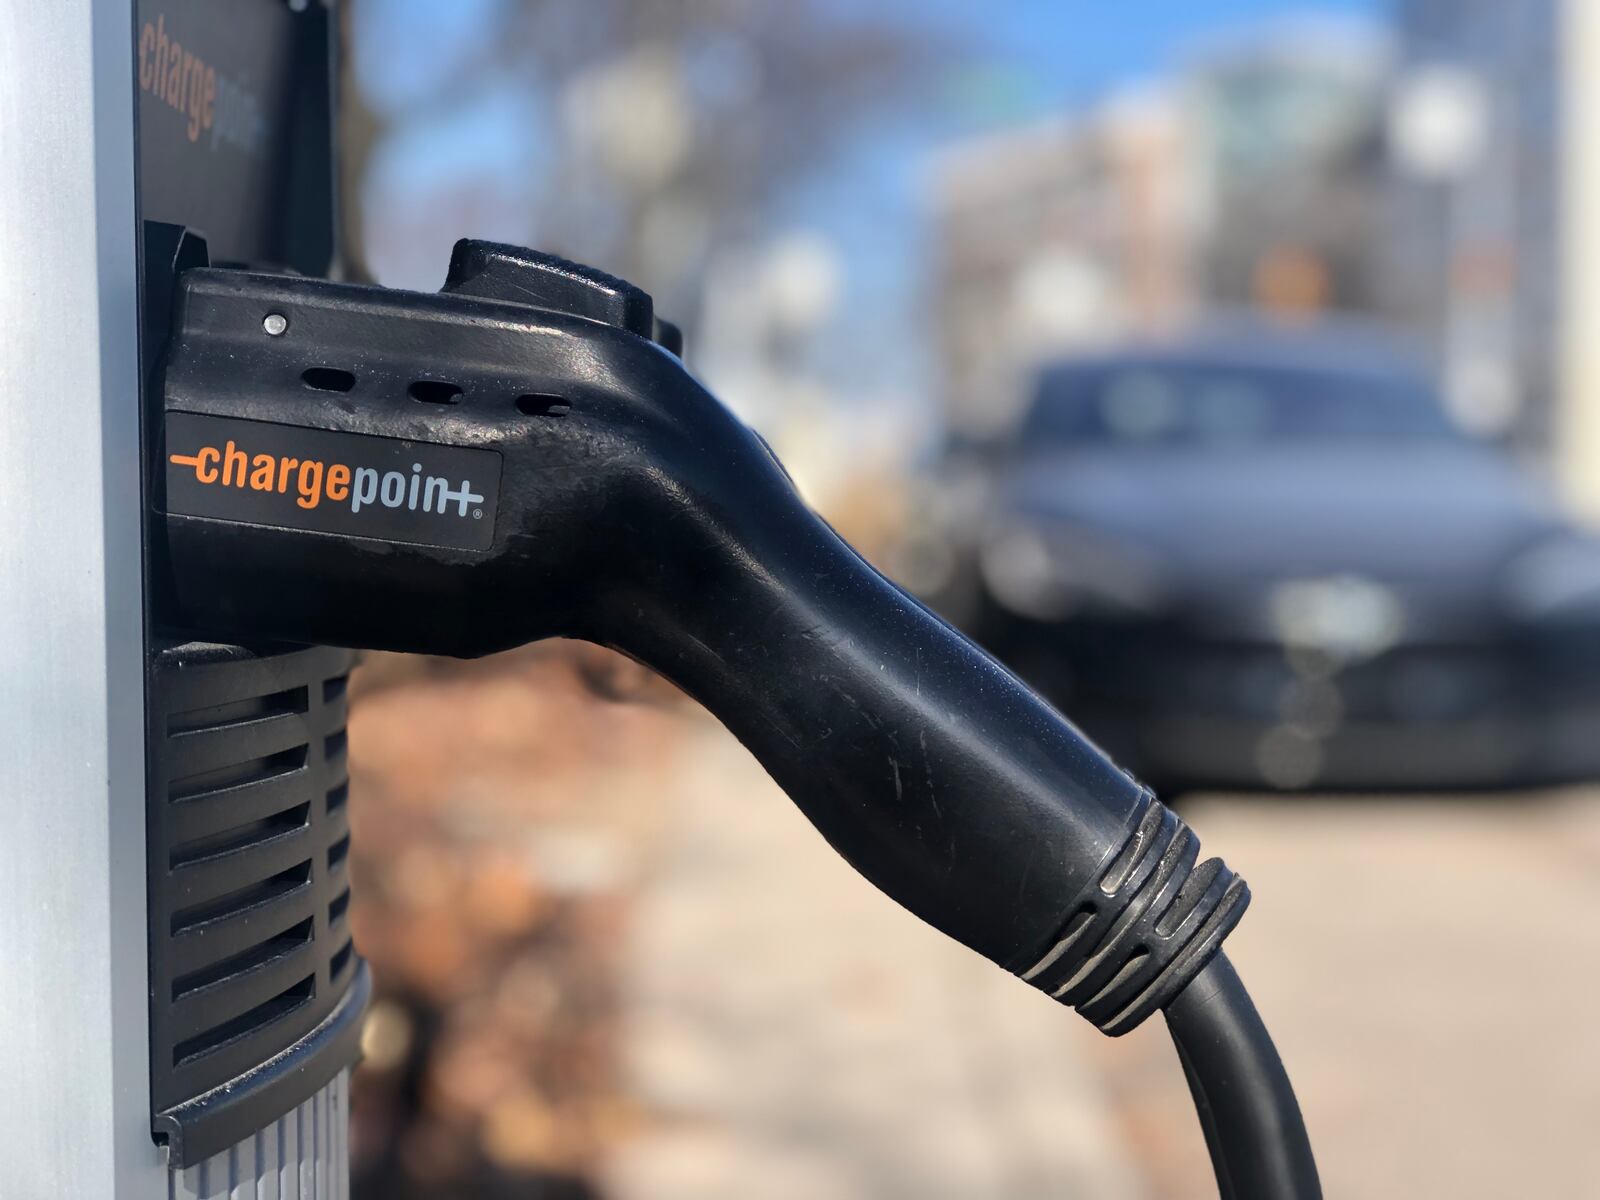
(235, 135)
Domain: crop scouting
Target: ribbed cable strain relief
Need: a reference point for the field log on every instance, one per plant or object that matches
(1152, 921)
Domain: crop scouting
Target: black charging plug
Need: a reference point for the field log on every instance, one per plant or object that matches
(523, 456)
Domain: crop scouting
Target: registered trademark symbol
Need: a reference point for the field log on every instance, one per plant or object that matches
(477, 514)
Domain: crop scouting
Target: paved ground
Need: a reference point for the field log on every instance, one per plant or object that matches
(795, 1036)
(1442, 1023)
(1431, 970)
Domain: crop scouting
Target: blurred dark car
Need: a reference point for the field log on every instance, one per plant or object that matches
(1261, 559)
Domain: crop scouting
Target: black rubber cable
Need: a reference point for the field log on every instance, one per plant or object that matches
(1248, 1111)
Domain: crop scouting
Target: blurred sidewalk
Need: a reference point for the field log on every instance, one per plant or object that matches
(1429, 968)
(610, 951)
(791, 1034)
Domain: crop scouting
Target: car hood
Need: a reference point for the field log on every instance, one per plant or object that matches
(1436, 516)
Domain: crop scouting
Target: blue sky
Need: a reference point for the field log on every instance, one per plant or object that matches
(1050, 52)
(1026, 59)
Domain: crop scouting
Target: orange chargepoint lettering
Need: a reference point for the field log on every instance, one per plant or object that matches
(315, 480)
(174, 84)
(197, 98)
(204, 461)
(190, 85)
(310, 483)
(233, 457)
(159, 67)
(338, 482)
(147, 45)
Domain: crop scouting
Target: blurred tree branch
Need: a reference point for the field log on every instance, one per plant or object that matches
(665, 129)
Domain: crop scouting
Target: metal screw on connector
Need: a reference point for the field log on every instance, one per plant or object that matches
(275, 324)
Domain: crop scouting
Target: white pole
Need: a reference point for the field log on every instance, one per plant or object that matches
(1577, 425)
(74, 1090)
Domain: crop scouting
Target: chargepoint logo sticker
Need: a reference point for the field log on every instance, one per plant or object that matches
(345, 483)
(212, 103)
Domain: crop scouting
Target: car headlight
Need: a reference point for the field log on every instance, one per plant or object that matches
(1556, 580)
(1049, 574)
(1343, 616)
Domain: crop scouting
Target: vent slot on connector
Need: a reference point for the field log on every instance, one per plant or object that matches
(340, 960)
(256, 990)
(242, 900)
(269, 951)
(233, 775)
(251, 708)
(284, 1003)
(241, 838)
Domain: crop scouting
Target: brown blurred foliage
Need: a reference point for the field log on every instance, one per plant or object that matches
(498, 808)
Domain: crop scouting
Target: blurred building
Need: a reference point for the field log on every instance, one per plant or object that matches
(1285, 129)
(1494, 238)
(1254, 178)
(1474, 234)
(1059, 234)
(1577, 423)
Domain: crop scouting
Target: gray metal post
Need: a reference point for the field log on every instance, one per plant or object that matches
(74, 1094)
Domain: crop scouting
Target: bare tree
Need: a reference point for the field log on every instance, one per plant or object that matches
(669, 127)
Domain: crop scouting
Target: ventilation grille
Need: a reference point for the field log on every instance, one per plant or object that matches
(250, 947)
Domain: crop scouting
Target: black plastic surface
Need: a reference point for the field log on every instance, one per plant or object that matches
(510, 273)
(235, 129)
(636, 512)
(234, 122)
(1252, 1123)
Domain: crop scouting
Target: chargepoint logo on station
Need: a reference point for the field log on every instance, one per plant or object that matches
(262, 473)
(226, 111)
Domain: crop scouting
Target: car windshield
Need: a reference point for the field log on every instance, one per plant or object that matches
(1211, 404)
